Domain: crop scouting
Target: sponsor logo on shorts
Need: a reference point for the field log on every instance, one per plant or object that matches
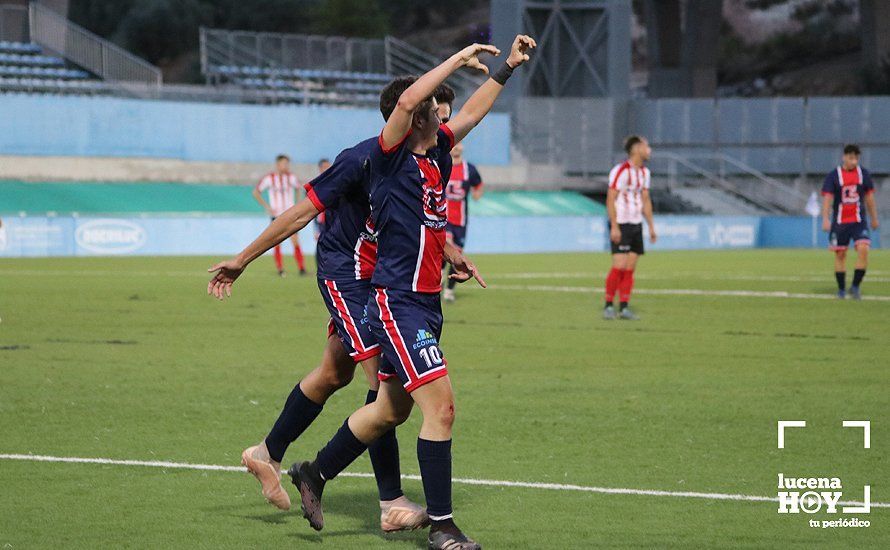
(424, 339)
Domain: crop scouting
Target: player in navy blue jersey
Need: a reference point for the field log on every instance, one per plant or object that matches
(847, 193)
(346, 255)
(464, 181)
(410, 164)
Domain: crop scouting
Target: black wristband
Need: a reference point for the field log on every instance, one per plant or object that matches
(502, 74)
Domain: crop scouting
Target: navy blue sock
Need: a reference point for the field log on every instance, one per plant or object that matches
(385, 460)
(434, 458)
(339, 453)
(858, 275)
(841, 278)
(298, 413)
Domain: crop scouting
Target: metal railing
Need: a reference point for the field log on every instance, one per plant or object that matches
(403, 58)
(758, 189)
(14, 23)
(95, 54)
(290, 51)
(272, 51)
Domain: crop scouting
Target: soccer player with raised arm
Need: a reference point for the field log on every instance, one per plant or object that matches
(410, 164)
(346, 255)
(465, 181)
(847, 193)
(627, 203)
(281, 186)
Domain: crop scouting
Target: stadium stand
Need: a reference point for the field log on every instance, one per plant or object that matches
(42, 52)
(24, 67)
(308, 69)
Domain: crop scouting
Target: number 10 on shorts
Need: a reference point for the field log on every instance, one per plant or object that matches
(432, 355)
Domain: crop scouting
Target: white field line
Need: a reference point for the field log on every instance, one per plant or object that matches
(685, 292)
(464, 481)
(871, 277)
(681, 275)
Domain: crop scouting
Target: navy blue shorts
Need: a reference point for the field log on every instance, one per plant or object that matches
(457, 234)
(842, 233)
(408, 326)
(347, 302)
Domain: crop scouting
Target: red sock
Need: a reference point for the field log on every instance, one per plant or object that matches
(298, 255)
(612, 281)
(278, 263)
(626, 286)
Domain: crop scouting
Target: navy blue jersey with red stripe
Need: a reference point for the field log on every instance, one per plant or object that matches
(347, 247)
(464, 177)
(849, 189)
(409, 211)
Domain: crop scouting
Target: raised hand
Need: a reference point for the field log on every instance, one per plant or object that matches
(469, 56)
(519, 50)
(225, 273)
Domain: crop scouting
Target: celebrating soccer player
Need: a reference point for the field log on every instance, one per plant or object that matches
(281, 186)
(627, 203)
(465, 180)
(847, 193)
(409, 166)
(346, 255)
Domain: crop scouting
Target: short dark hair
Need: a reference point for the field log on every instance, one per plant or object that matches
(630, 141)
(390, 95)
(323, 160)
(392, 92)
(444, 94)
(281, 157)
(852, 148)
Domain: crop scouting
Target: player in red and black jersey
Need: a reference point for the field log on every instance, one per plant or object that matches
(848, 192)
(409, 167)
(346, 254)
(465, 181)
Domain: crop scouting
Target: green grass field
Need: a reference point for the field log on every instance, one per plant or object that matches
(129, 359)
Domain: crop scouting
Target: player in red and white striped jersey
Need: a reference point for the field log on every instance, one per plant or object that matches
(281, 186)
(628, 203)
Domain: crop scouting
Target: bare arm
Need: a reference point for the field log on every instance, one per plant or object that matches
(292, 220)
(480, 103)
(827, 201)
(463, 267)
(258, 196)
(478, 191)
(872, 207)
(614, 231)
(400, 120)
(647, 213)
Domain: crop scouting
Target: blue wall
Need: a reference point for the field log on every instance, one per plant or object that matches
(114, 127)
(225, 235)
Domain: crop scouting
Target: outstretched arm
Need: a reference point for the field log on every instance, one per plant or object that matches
(483, 99)
(292, 220)
(400, 120)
